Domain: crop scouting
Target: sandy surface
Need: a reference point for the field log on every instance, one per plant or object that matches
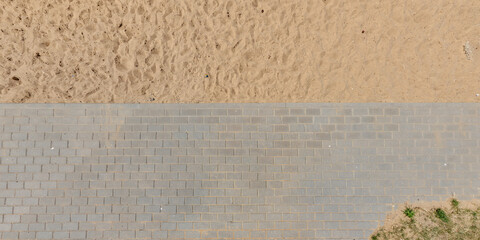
(252, 51)
(461, 219)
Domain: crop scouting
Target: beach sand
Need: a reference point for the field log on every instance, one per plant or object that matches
(191, 51)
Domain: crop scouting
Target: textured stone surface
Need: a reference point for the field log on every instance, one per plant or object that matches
(227, 171)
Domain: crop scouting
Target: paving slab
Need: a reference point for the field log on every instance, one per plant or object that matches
(228, 171)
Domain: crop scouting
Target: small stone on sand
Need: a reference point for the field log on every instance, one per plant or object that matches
(468, 50)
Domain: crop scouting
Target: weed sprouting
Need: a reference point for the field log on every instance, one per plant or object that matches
(455, 203)
(440, 214)
(409, 213)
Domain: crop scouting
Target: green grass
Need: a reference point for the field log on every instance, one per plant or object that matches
(440, 214)
(409, 213)
(445, 220)
(454, 203)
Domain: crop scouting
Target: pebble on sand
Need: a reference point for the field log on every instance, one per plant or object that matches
(468, 50)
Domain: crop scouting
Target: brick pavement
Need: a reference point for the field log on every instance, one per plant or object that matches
(227, 171)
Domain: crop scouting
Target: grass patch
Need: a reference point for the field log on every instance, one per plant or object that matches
(454, 203)
(440, 214)
(409, 213)
(432, 220)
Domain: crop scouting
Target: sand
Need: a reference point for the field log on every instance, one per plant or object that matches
(398, 226)
(190, 51)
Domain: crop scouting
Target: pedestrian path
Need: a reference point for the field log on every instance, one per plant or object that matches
(228, 171)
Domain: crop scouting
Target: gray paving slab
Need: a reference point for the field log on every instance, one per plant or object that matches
(228, 171)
